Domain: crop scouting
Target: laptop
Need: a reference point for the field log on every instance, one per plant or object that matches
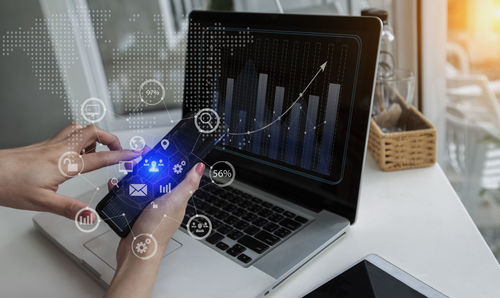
(294, 92)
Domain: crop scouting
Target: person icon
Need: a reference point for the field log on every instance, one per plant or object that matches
(153, 167)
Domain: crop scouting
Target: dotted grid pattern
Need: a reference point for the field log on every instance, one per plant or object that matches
(49, 67)
(331, 53)
(270, 114)
(210, 44)
(147, 58)
(341, 71)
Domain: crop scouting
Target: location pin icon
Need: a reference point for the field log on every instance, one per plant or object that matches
(164, 143)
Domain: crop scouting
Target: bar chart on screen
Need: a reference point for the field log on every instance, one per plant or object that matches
(295, 123)
(281, 96)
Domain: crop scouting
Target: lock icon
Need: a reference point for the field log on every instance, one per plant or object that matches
(72, 167)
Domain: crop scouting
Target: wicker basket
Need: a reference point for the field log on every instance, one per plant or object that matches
(413, 148)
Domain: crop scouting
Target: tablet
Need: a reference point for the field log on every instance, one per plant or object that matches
(374, 277)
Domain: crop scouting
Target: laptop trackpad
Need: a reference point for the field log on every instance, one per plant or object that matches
(104, 247)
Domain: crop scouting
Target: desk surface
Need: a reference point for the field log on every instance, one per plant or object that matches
(412, 218)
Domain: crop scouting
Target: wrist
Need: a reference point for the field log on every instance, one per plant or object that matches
(135, 277)
(127, 258)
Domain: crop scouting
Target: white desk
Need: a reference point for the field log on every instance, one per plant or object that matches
(411, 218)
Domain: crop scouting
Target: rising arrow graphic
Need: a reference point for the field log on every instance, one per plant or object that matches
(301, 94)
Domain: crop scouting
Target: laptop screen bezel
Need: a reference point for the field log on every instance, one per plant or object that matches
(341, 198)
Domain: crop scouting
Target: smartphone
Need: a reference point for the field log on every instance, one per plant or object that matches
(374, 277)
(158, 172)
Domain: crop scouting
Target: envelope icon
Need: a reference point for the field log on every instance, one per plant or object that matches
(138, 190)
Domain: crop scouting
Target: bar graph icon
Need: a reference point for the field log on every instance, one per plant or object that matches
(167, 188)
(85, 220)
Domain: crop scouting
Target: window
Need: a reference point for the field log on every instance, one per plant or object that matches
(143, 41)
(472, 157)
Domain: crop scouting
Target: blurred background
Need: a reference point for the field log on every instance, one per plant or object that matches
(57, 53)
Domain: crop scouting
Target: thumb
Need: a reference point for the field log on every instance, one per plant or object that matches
(183, 192)
(97, 160)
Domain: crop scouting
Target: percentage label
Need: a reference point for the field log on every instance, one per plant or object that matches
(151, 92)
(222, 173)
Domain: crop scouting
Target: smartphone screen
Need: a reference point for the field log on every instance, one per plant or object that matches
(158, 172)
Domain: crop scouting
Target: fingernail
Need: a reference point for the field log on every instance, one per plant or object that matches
(200, 167)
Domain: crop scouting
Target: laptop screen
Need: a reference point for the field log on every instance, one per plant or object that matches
(286, 94)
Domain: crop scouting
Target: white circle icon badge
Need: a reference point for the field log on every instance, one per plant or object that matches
(222, 173)
(151, 92)
(93, 110)
(199, 227)
(70, 164)
(206, 120)
(137, 143)
(87, 220)
(144, 246)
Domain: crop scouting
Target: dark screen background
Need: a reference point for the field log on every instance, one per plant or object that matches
(260, 74)
(309, 192)
(364, 280)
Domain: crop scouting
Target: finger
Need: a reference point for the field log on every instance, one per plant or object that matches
(145, 150)
(92, 134)
(183, 192)
(91, 148)
(61, 135)
(65, 132)
(63, 205)
(97, 160)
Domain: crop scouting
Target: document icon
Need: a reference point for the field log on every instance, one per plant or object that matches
(138, 190)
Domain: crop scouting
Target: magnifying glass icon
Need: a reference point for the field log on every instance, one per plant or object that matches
(206, 118)
(114, 182)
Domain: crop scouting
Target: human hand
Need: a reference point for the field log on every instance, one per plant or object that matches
(135, 277)
(30, 175)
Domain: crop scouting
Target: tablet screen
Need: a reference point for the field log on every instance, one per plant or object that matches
(364, 280)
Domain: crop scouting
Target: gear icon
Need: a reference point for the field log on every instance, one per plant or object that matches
(177, 168)
(144, 246)
(141, 247)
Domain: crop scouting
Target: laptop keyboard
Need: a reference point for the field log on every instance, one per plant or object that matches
(244, 227)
